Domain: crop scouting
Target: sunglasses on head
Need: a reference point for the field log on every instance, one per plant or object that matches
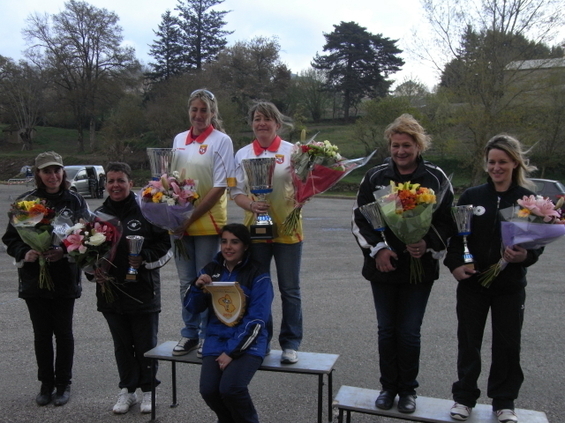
(204, 91)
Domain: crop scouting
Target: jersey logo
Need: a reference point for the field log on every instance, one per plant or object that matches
(203, 149)
(279, 158)
(134, 225)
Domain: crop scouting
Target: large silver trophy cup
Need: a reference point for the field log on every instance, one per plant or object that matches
(135, 242)
(463, 216)
(372, 213)
(260, 179)
(160, 161)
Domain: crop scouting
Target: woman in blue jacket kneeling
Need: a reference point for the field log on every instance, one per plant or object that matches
(233, 352)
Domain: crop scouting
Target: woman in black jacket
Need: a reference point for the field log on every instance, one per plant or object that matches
(400, 304)
(133, 314)
(505, 297)
(51, 311)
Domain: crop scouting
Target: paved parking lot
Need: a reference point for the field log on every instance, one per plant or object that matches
(339, 318)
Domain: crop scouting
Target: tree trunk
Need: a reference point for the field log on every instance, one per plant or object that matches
(92, 134)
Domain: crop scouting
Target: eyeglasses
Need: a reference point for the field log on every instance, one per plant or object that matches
(204, 91)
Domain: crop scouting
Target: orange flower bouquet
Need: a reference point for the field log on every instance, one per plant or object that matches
(407, 210)
(32, 219)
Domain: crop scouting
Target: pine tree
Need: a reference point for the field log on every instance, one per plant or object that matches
(167, 50)
(358, 63)
(201, 30)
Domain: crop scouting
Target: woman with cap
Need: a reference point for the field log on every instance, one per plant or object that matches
(51, 311)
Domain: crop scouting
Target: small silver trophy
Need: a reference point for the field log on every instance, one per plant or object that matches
(463, 216)
(160, 161)
(135, 242)
(260, 176)
(372, 213)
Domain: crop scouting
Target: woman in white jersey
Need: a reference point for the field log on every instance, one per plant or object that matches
(266, 121)
(205, 153)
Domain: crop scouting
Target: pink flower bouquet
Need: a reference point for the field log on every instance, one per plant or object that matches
(533, 223)
(92, 243)
(168, 203)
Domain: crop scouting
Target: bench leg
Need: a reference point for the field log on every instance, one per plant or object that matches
(153, 372)
(320, 396)
(174, 383)
(330, 395)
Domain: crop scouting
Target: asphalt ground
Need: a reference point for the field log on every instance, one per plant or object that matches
(339, 318)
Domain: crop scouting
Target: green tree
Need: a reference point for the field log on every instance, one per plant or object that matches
(167, 50)
(487, 42)
(23, 96)
(201, 31)
(251, 70)
(307, 92)
(358, 63)
(81, 49)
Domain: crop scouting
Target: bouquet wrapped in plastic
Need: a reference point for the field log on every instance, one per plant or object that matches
(32, 219)
(407, 209)
(92, 243)
(316, 167)
(533, 223)
(168, 202)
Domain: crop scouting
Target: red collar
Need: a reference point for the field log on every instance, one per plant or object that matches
(200, 138)
(273, 147)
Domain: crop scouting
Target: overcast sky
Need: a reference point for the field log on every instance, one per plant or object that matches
(298, 24)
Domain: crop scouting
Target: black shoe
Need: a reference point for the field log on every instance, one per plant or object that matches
(62, 395)
(407, 403)
(385, 400)
(45, 395)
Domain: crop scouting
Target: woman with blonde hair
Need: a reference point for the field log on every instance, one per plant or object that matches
(507, 168)
(205, 153)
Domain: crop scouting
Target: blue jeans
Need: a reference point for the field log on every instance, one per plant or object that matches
(226, 392)
(201, 250)
(287, 261)
(400, 312)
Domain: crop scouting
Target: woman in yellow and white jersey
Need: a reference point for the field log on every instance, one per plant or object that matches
(266, 120)
(205, 153)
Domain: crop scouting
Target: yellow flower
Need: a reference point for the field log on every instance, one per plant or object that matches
(157, 197)
(523, 212)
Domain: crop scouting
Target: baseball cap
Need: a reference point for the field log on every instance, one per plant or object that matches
(49, 158)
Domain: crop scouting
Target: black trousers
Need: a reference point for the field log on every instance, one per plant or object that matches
(507, 316)
(53, 317)
(133, 335)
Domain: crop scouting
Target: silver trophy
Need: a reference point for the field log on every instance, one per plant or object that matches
(135, 242)
(259, 177)
(463, 216)
(372, 213)
(160, 161)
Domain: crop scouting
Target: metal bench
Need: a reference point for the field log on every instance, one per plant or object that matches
(310, 363)
(360, 400)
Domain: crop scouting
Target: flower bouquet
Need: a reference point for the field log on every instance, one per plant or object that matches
(168, 202)
(32, 219)
(92, 243)
(316, 167)
(533, 223)
(407, 209)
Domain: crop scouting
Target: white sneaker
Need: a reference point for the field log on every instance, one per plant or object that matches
(289, 356)
(146, 403)
(125, 401)
(199, 350)
(460, 412)
(506, 415)
(185, 345)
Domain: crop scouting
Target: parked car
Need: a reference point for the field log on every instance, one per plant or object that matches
(549, 188)
(87, 180)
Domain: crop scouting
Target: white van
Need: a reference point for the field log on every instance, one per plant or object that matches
(87, 180)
